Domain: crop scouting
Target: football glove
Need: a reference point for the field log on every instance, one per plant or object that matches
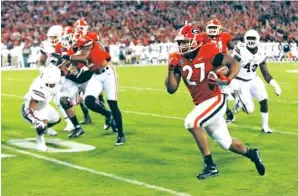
(276, 87)
(173, 62)
(218, 78)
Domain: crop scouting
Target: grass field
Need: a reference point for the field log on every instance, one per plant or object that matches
(160, 157)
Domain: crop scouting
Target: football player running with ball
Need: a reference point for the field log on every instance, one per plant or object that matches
(194, 63)
(37, 109)
(247, 84)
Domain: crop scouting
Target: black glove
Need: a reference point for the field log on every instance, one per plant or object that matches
(66, 57)
(56, 55)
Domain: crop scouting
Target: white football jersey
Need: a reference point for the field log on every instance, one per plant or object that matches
(39, 93)
(248, 62)
(47, 48)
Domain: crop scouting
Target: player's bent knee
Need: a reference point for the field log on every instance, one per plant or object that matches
(65, 103)
(90, 101)
(224, 143)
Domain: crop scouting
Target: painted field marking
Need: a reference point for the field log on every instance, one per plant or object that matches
(171, 117)
(100, 173)
(292, 71)
(7, 155)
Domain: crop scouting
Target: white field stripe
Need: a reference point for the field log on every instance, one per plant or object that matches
(115, 177)
(170, 117)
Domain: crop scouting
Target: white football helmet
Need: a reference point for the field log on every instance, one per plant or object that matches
(252, 38)
(50, 77)
(54, 34)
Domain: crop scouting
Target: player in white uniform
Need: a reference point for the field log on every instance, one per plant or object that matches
(247, 84)
(47, 48)
(37, 109)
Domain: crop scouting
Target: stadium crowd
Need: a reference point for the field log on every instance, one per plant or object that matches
(25, 23)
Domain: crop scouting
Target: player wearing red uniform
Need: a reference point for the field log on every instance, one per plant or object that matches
(224, 42)
(104, 78)
(76, 80)
(83, 26)
(194, 63)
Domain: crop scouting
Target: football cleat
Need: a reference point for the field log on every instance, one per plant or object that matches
(108, 121)
(208, 171)
(268, 130)
(40, 143)
(87, 120)
(230, 120)
(51, 132)
(69, 126)
(120, 140)
(254, 156)
(76, 132)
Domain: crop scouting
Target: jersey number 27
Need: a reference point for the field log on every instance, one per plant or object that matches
(190, 70)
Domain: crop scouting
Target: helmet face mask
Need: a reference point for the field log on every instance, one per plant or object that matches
(251, 39)
(213, 27)
(50, 77)
(186, 45)
(213, 30)
(68, 39)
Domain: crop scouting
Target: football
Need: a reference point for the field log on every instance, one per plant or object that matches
(222, 69)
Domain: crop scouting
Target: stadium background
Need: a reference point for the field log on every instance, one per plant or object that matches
(128, 28)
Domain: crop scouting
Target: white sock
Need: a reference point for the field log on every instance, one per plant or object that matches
(265, 120)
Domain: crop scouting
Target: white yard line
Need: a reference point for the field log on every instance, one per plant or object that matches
(171, 117)
(115, 177)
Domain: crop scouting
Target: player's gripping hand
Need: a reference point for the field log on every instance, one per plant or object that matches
(173, 62)
(218, 78)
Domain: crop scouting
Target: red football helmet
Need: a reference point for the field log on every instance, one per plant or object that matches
(82, 25)
(67, 38)
(213, 27)
(188, 39)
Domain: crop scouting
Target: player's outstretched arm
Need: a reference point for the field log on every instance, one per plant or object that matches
(81, 56)
(174, 76)
(269, 79)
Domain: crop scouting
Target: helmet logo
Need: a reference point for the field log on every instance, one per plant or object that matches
(195, 31)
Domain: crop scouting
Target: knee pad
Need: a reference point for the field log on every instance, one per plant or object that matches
(65, 103)
(90, 101)
(264, 106)
(224, 143)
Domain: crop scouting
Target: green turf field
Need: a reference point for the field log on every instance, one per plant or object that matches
(160, 157)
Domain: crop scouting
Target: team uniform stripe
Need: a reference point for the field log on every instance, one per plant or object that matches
(116, 83)
(24, 114)
(39, 93)
(237, 50)
(214, 105)
(243, 105)
(215, 112)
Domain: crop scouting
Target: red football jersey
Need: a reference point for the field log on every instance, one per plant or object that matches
(221, 41)
(195, 73)
(97, 55)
